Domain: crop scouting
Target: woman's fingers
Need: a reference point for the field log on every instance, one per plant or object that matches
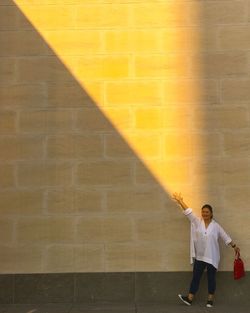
(174, 195)
(237, 250)
(177, 196)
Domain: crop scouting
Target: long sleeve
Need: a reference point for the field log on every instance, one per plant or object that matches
(189, 214)
(224, 236)
(194, 221)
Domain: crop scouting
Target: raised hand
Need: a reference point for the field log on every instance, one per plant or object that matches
(177, 197)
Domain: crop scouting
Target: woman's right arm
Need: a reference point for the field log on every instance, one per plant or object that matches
(179, 199)
(186, 209)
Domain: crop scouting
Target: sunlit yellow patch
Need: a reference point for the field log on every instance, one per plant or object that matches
(126, 59)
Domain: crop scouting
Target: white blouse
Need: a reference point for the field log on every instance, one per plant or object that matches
(204, 242)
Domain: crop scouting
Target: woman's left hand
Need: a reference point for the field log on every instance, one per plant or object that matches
(237, 249)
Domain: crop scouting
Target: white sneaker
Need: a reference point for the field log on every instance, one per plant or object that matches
(185, 300)
(210, 304)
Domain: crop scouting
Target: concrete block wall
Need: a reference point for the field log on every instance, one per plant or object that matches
(106, 107)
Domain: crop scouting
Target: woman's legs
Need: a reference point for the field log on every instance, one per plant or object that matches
(211, 280)
(198, 270)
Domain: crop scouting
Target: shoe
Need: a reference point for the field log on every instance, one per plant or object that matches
(185, 300)
(210, 304)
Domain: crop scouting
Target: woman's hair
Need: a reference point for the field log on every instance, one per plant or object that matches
(208, 206)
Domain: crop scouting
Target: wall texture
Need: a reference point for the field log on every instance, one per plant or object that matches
(106, 107)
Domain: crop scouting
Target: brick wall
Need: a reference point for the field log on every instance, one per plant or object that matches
(106, 108)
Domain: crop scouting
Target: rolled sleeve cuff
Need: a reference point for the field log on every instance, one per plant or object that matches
(187, 211)
(228, 241)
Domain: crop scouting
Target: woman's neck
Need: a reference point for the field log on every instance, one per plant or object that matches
(207, 222)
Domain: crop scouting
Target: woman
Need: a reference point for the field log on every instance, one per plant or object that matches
(204, 248)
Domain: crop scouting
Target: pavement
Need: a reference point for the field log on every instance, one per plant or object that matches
(122, 308)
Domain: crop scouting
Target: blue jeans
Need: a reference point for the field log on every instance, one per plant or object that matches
(198, 269)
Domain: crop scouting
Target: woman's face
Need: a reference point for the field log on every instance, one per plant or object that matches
(206, 214)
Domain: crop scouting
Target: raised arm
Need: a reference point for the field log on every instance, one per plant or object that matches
(186, 209)
(179, 199)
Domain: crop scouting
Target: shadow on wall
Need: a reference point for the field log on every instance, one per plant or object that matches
(74, 195)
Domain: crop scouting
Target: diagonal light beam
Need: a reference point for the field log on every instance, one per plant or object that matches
(108, 59)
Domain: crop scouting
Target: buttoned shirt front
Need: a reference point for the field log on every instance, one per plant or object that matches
(204, 242)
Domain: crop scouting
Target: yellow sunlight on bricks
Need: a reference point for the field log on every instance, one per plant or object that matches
(135, 60)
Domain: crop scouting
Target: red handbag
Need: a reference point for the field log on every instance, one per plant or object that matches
(239, 270)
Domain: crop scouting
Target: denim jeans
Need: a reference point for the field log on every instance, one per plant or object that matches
(198, 269)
